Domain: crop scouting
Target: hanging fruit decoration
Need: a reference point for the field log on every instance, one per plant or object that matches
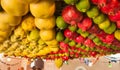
(59, 30)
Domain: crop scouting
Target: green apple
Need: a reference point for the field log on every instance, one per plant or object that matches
(117, 34)
(59, 36)
(72, 28)
(72, 2)
(72, 43)
(83, 5)
(105, 24)
(99, 19)
(93, 12)
(110, 29)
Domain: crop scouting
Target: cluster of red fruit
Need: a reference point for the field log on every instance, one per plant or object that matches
(111, 8)
(79, 36)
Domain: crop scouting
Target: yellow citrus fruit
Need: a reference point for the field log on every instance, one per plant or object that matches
(28, 23)
(4, 34)
(4, 26)
(15, 7)
(47, 35)
(43, 8)
(47, 23)
(9, 19)
(30, 1)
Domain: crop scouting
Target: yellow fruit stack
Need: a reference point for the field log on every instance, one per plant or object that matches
(43, 11)
(27, 28)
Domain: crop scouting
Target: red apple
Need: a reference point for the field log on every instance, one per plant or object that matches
(79, 39)
(109, 38)
(93, 53)
(118, 24)
(71, 15)
(89, 43)
(85, 24)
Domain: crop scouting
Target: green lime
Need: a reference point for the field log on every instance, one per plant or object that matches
(60, 36)
(105, 24)
(110, 29)
(83, 5)
(99, 19)
(61, 23)
(93, 12)
(72, 43)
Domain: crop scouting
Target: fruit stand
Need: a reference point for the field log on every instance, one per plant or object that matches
(59, 30)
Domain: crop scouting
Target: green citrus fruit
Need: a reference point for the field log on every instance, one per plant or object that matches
(99, 19)
(61, 23)
(105, 24)
(60, 36)
(83, 5)
(110, 29)
(93, 12)
(73, 28)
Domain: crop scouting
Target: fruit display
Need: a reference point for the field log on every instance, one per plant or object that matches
(59, 30)
(85, 30)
